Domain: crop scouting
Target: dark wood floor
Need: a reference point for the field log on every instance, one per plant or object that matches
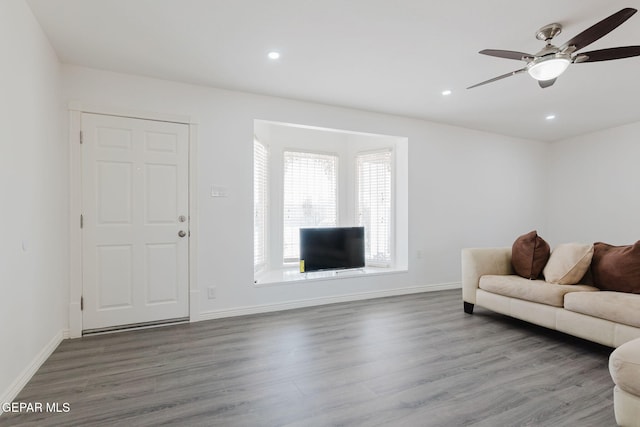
(413, 360)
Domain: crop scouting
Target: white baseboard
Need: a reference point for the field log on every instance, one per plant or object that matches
(266, 308)
(14, 389)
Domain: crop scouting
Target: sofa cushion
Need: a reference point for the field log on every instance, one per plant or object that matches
(616, 307)
(529, 254)
(624, 366)
(616, 268)
(530, 290)
(568, 263)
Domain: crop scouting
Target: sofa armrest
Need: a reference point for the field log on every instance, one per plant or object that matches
(477, 262)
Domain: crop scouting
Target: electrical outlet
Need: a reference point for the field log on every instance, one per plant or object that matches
(211, 292)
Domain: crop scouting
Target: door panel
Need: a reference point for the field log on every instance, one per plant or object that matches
(161, 194)
(134, 189)
(161, 283)
(114, 265)
(114, 192)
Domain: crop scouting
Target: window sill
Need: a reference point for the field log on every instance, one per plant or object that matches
(288, 276)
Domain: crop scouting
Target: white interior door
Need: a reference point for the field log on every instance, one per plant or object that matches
(135, 221)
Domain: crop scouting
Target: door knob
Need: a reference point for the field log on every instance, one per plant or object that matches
(182, 218)
(182, 233)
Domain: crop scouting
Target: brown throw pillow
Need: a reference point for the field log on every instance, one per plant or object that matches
(616, 268)
(529, 255)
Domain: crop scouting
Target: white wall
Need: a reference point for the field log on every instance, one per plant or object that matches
(34, 261)
(594, 187)
(466, 188)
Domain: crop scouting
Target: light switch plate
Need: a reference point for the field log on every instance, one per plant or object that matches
(218, 191)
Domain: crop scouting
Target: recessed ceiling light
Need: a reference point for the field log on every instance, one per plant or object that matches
(550, 117)
(274, 55)
(446, 92)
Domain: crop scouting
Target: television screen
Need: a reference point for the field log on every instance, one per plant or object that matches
(331, 248)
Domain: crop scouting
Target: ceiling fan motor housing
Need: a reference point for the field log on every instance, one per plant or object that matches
(548, 32)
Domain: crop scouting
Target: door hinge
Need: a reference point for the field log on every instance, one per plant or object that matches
(81, 137)
(81, 221)
(81, 303)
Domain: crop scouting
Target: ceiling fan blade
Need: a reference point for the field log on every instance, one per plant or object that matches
(546, 83)
(600, 29)
(508, 54)
(611, 53)
(513, 73)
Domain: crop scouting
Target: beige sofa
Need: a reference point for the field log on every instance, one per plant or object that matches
(609, 318)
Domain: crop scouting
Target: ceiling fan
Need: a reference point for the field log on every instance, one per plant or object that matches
(546, 65)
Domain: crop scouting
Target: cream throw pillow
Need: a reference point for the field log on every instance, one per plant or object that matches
(568, 263)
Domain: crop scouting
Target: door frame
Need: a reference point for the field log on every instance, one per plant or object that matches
(75, 204)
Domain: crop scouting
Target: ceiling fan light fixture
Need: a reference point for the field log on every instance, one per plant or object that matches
(549, 68)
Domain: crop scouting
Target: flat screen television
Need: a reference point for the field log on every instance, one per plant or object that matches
(331, 248)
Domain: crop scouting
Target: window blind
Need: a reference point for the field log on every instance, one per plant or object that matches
(373, 174)
(260, 182)
(310, 196)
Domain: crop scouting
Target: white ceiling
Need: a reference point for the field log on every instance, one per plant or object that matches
(390, 56)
